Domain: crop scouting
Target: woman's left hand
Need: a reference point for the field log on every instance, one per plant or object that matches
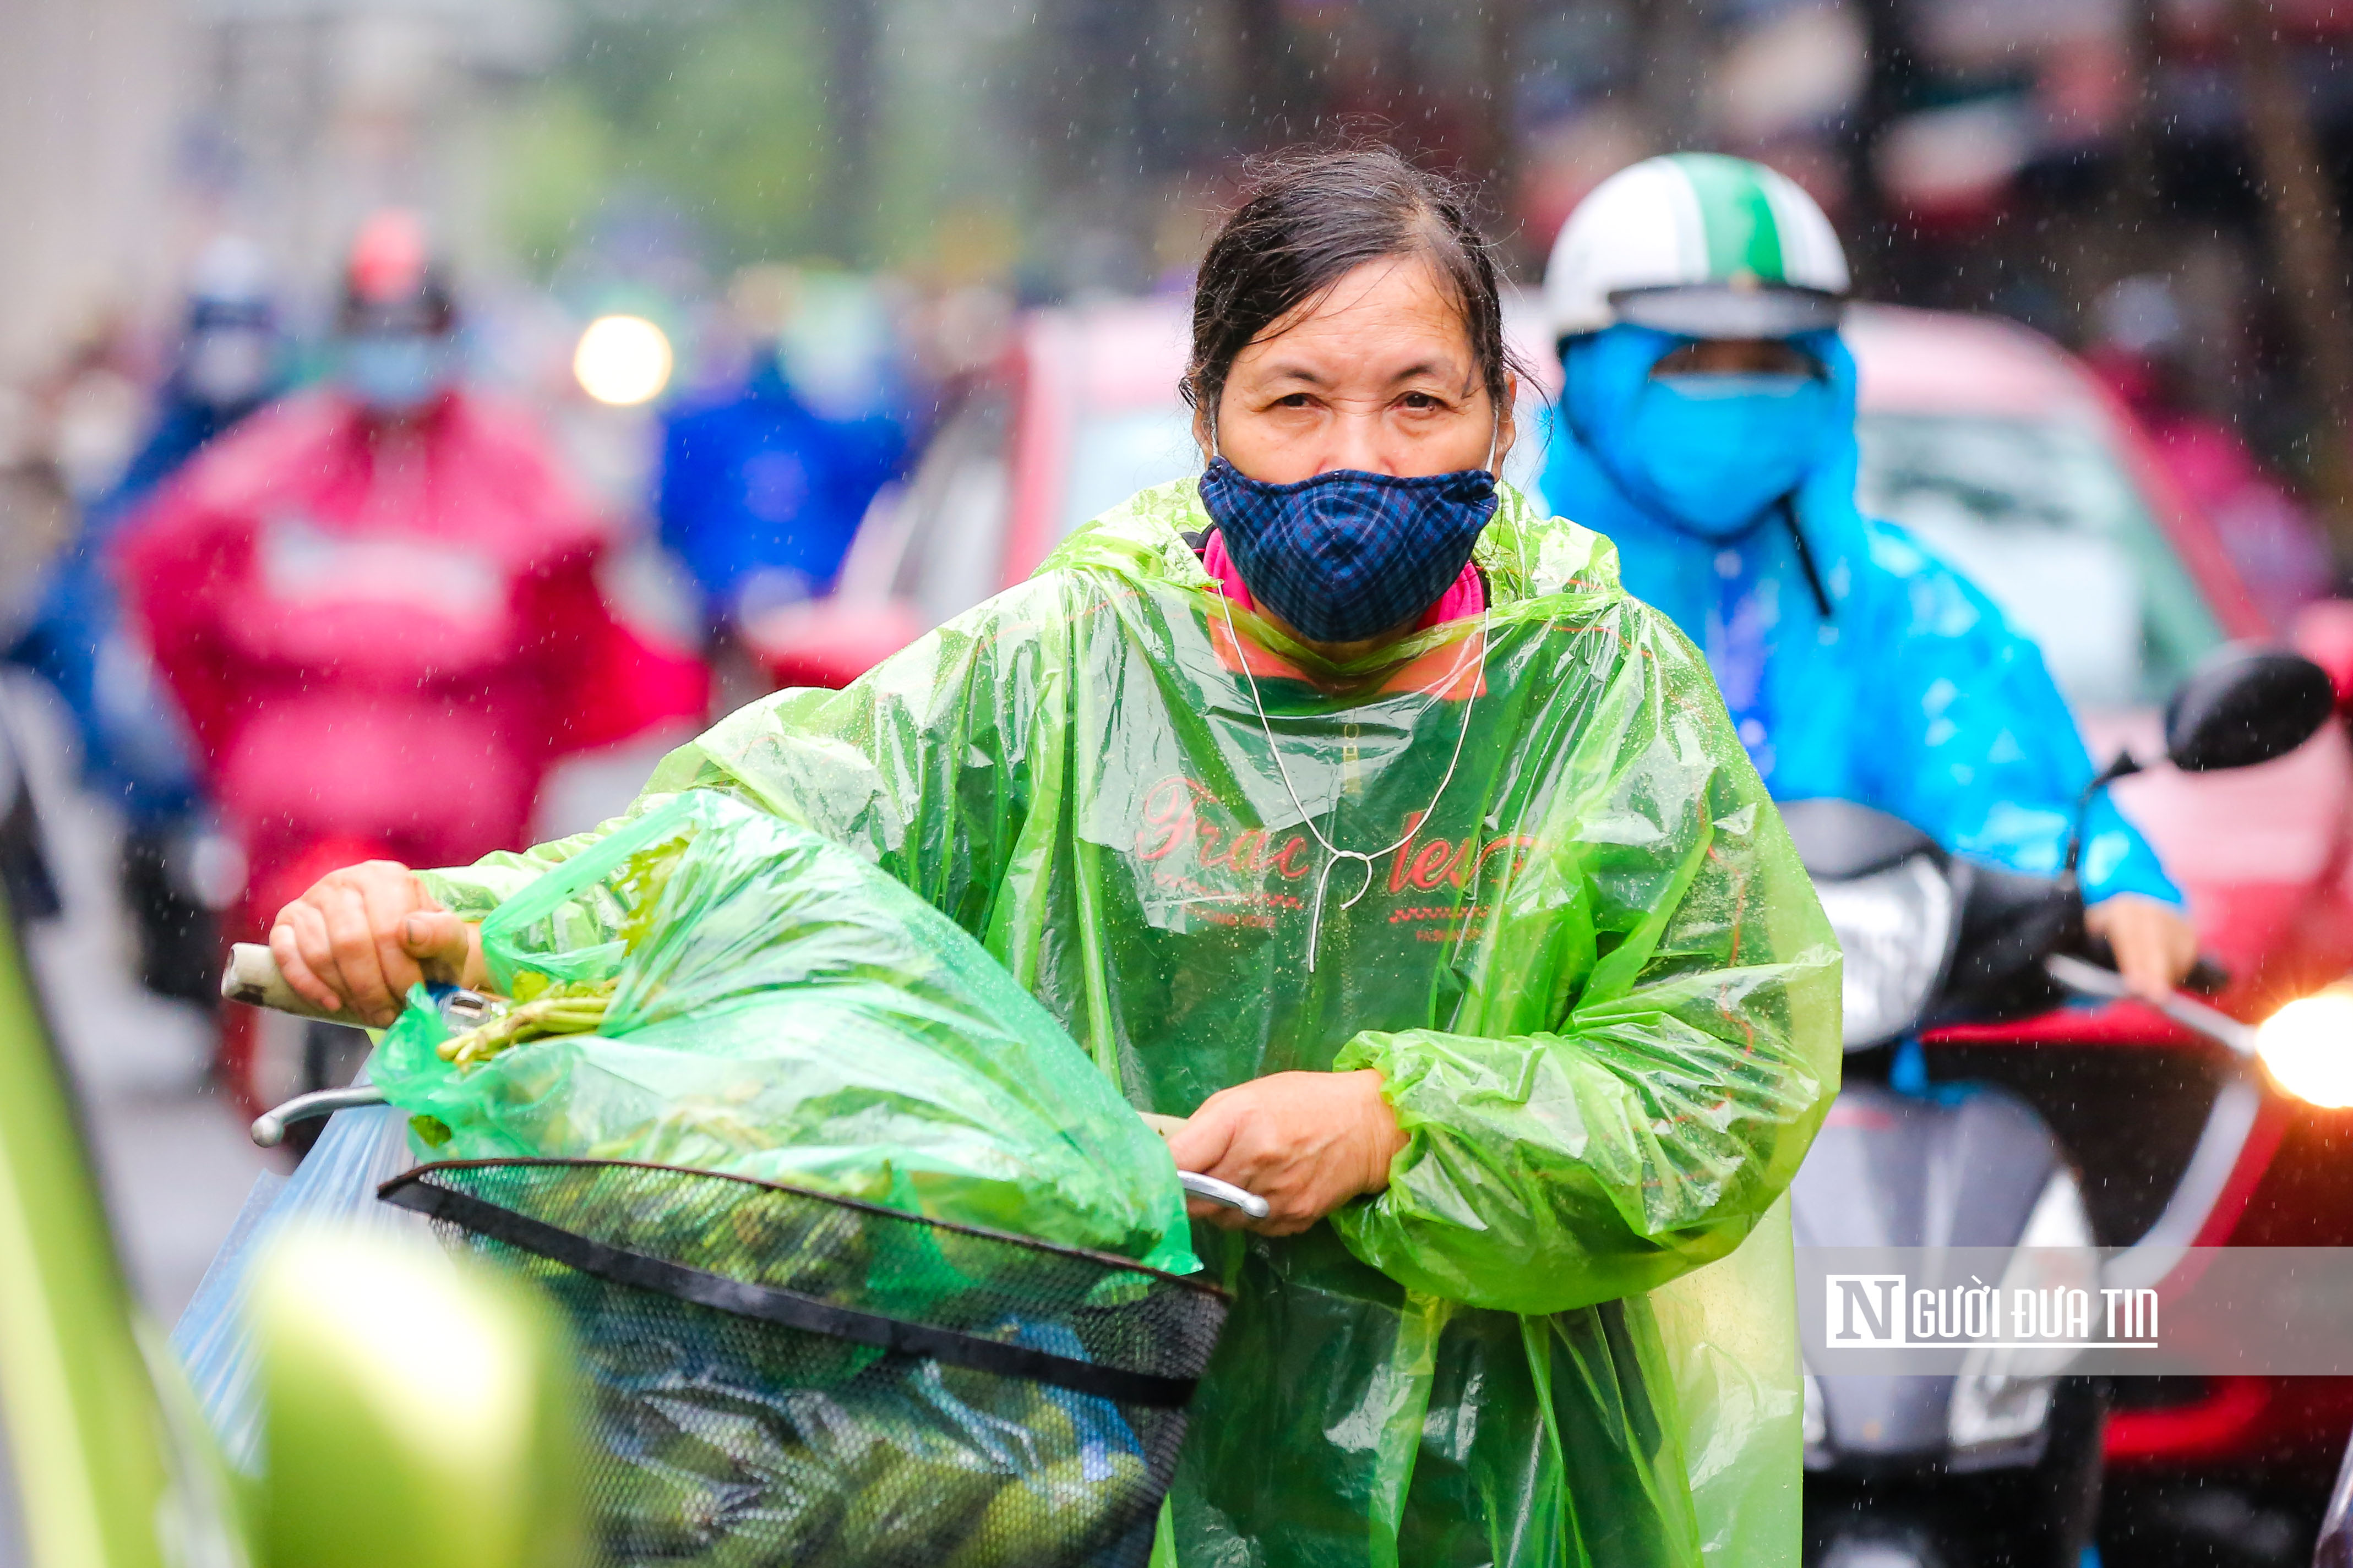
(1304, 1141)
(2155, 946)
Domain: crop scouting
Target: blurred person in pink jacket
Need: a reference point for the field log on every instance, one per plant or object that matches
(377, 605)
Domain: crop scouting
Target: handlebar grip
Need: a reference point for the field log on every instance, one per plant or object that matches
(2206, 977)
(252, 978)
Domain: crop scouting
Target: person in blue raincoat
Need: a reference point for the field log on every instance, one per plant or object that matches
(1706, 426)
(230, 361)
(764, 485)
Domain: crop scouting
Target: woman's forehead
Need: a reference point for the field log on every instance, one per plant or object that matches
(1391, 317)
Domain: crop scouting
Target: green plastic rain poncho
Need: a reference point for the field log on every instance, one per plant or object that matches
(1586, 959)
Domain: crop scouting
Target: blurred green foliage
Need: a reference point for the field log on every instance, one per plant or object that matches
(718, 112)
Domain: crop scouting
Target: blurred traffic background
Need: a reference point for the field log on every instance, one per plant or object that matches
(757, 336)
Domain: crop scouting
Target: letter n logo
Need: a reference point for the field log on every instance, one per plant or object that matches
(1865, 1309)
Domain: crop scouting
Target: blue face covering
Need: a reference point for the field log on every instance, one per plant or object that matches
(1712, 453)
(1348, 554)
(1705, 456)
(397, 372)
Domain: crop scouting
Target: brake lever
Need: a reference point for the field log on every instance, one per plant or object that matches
(1208, 1188)
(1212, 1190)
(268, 1128)
(2207, 977)
(2091, 980)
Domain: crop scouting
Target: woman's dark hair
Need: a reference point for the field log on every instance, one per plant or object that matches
(1306, 220)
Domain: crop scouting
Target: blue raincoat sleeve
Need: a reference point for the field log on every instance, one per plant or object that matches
(1999, 761)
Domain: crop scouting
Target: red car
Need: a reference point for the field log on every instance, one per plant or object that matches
(2008, 458)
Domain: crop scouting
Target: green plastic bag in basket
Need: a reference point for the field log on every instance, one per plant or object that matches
(780, 1009)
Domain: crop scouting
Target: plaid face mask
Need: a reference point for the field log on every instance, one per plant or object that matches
(1348, 554)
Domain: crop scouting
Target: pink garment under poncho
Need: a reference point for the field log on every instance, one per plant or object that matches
(1468, 596)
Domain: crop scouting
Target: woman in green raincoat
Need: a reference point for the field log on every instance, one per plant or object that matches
(1340, 802)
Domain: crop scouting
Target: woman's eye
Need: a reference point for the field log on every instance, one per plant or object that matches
(1420, 400)
(1296, 400)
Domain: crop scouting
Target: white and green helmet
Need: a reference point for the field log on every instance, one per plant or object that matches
(1699, 245)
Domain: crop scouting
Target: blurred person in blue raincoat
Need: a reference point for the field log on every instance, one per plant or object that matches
(1706, 426)
(176, 869)
(764, 484)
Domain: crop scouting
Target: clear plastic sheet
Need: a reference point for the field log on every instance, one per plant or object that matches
(335, 1185)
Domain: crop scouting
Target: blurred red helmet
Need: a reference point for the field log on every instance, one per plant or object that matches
(392, 284)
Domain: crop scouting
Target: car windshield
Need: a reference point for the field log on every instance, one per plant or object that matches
(1119, 453)
(2042, 518)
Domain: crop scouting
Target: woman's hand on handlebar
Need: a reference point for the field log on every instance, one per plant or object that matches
(2155, 945)
(362, 936)
(1304, 1141)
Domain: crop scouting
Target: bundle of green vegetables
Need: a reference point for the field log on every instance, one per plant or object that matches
(838, 1494)
(755, 1000)
(566, 1007)
(713, 988)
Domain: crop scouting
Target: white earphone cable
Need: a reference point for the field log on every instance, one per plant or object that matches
(1333, 852)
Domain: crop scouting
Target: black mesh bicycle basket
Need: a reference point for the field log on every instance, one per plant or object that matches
(784, 1377)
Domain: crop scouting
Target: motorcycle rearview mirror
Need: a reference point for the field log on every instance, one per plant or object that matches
(2245, 705)
(2242, 705)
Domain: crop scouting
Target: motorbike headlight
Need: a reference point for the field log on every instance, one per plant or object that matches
(2003, 1397)
(1991, 1410)
(1895, 926)
(2308, 1047)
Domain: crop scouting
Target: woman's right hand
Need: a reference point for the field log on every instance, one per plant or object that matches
(362, 936)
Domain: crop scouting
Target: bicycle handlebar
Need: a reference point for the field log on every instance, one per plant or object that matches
(253, 978)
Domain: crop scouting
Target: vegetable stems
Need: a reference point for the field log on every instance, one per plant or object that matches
(576, 1008)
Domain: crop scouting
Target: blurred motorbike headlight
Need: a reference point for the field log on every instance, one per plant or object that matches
(1992, 1410)
(622, 360)
(2308, 1047)
(2002, 1397)
(1897, 927)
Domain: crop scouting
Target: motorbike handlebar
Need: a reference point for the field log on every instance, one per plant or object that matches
(2221, 1143)
(2094, 980)
(2207, 977)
